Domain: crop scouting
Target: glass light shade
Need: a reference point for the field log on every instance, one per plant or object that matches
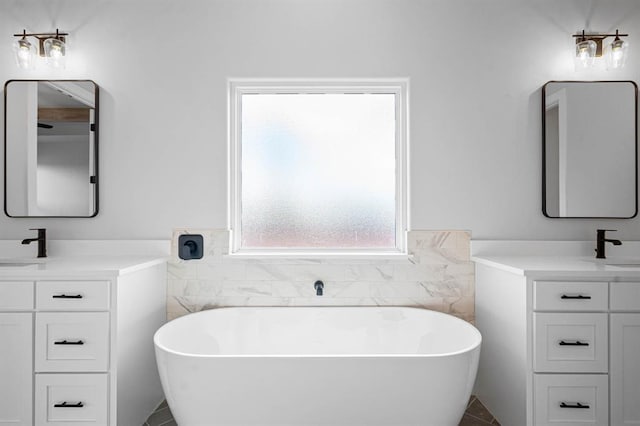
(585, 53)
(616, 53)
(55, 52)
(25, 53)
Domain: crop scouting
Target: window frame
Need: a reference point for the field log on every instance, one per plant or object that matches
(238, 87)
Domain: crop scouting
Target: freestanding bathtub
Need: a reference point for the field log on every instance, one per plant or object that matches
(298, 366)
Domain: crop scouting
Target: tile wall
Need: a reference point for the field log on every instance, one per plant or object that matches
(437, 275)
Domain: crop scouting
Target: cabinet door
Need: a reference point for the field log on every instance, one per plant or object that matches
(625, 369)
(16, 355)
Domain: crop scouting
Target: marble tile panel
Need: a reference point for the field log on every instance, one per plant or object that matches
(235, 301)
(440, 256)
(445, 289)
(248, 289)
(221, 271)
(294, 289)
(460, 270)
(333, 301)
(432, 239)
(369, 272)
(438, 275)
(181, 270)
(220, 239)
(400, 290)
(433, 303)
(175, 286)
(295, 272)
(378, 290)
(462, 307)
(202, 288)
(175, 309)
(463, 240)
(351, 289)
(467, 286)
(433, 272)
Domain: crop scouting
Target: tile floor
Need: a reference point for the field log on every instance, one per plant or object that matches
(476, 415)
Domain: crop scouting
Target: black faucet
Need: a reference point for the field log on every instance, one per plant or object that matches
(319, 286)
(41, 239)
(601, 239)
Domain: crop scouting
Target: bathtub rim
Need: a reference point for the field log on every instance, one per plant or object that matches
(469, 349)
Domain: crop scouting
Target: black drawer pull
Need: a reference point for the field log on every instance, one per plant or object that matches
(66, 296)
(64, 342)
(576, 405)
(576, 343)
(65, 405)
(578, 297)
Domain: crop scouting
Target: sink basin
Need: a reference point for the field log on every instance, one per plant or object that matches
(623, 263)
(15, 265)
(19, 262)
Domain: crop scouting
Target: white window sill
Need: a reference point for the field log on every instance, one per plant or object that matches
(320, 257)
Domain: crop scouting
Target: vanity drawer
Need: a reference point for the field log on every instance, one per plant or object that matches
(16, 295)
(625, 296)
(571, 399)
(72, 295)
(570, 296)
(72, 399)
(72, 341)
(570, 343)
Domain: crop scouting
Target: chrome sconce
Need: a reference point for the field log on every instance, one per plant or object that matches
(590, 46)
(51, 46)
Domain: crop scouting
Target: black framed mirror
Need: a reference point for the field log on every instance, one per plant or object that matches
(590, 149)
(51, 148)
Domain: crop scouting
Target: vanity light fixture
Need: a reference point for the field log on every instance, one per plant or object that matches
(590, 46)
(51, 46)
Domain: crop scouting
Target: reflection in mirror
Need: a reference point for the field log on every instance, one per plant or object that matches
(51, 145)
(590, 149)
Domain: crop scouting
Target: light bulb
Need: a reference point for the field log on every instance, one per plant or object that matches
(25, 53)
(55, 52)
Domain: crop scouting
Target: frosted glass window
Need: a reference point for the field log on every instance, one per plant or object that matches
(317, 171)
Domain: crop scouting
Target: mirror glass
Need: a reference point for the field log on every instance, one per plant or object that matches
(51, 148)
(589, 149)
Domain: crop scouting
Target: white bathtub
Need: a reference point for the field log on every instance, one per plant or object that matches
(296, 366)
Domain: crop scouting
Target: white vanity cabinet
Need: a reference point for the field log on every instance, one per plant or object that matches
(76, 347)
(624, 336)
(561, 345)
(16, 352)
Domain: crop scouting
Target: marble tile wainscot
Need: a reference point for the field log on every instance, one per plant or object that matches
(438, 275)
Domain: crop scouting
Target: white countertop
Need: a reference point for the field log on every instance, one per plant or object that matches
(529, 265)
(69, 259)
(76, 266)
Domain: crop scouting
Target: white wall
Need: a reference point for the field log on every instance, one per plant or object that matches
(476, 69)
